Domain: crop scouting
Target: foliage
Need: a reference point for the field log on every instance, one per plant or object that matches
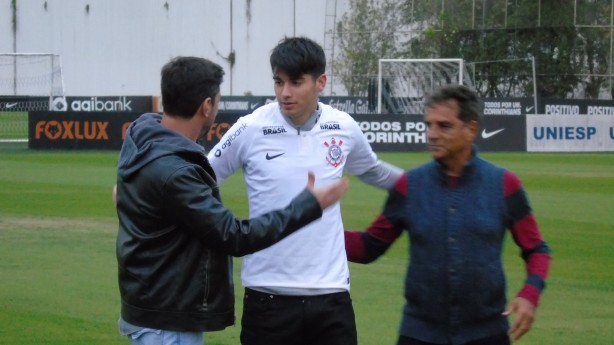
(570, 44)
(365, 34)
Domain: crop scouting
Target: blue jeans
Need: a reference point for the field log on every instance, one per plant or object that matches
(149, 336)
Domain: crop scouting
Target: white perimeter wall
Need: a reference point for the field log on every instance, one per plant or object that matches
(119, 46)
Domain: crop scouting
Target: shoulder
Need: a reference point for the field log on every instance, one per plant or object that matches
(511, 181)
(170, 167)
(337, 118)
(334, 113)
(427, 167)
(264, 115)
(269, 109)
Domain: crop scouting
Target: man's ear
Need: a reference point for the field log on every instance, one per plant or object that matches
(206, 108)
(473, 127)
(321, 82)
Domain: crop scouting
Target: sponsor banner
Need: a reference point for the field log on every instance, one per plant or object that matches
(571, 133)
(23, 103)
(222, 124)
(350, 105)
(139, 104)
(509, 106)
(502, 133)
(391, 132)
(247, 104)
(242, 104)
(77, 130)
(49, 130)
(577, 107)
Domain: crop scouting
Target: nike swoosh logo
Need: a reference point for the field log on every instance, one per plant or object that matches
(10, 105)
(487, 135)
(268, 157)
(528, 109)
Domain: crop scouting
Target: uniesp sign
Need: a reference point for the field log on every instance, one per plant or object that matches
(570, 133)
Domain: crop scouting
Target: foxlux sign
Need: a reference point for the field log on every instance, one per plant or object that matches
(570, 133)
(98, 130)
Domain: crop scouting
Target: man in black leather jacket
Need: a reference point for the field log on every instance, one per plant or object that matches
(175, 237)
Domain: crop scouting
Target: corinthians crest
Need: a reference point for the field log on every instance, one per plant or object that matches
(335, 155)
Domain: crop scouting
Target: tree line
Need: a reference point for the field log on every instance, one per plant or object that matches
(570, 43)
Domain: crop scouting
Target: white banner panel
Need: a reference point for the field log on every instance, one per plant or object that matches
(570, 133)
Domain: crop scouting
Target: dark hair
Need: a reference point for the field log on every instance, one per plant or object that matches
(297, 56)
(186, 82)
(467, 99)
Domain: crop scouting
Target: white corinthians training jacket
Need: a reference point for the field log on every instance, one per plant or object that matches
(275, 157)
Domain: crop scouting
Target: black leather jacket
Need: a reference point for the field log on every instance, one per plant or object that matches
(176, 239)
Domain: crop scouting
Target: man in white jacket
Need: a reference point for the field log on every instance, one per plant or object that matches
(297, 291)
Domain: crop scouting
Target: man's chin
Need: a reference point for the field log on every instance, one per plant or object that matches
(436, 151)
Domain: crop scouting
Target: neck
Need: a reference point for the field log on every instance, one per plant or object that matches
(181, 125)
(303, 118)
(454, 166)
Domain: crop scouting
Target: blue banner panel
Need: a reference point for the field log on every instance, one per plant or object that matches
(502, 133)
(391, 132)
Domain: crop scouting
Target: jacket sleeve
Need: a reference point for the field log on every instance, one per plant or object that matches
(534, 250)
(365, 247)
(193, 204)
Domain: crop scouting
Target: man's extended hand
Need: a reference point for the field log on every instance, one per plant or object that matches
(330, 194)
(525, 315)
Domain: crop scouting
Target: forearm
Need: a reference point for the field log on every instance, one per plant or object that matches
(383, 175)
(537, 261)
(248, 236)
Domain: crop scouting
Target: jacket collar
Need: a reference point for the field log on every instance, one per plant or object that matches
(467, 171)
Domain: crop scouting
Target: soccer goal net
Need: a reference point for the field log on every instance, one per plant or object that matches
(28, 82)
(404, 83)
(31, 82)
(508, 78)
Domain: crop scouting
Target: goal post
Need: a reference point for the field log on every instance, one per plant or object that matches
(31, 81)
(28, 82)
(511, 78)
(404, 83)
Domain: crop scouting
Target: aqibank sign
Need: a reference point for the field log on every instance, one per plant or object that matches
(140, 104)
(570, 133)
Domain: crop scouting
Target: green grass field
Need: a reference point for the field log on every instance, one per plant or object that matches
(58, 269)
(13, 125)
